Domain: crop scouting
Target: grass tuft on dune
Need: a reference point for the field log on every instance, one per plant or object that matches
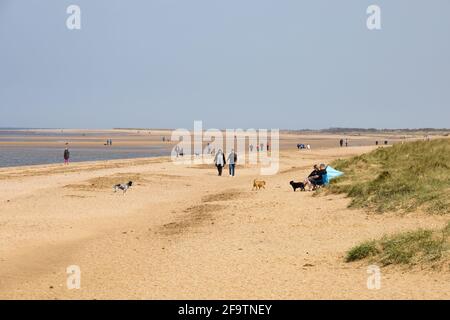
(404, 177)
(410, 248)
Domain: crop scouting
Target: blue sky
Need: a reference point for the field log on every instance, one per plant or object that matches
(231, 63)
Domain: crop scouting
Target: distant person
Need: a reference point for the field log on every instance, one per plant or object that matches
(376, 142)
(346, 142)
(298, 146)
(261, 146)
(251, 148)
(219, 161)
(66, 156)
(257, 148)
(232, 159)
(268, 147)
(341, 142)
(385, 142)
(110, 142)
(308, 147)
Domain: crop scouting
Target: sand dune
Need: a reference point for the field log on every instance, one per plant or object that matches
(183, 233)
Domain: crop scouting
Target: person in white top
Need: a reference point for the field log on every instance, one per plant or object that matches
(219, 161)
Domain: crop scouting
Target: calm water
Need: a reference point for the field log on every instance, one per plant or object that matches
(17, 155)
(22, 156)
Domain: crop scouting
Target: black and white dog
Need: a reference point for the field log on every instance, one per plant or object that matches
(123, 186)
(297, 185)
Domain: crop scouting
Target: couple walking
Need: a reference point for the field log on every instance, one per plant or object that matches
(219, 161)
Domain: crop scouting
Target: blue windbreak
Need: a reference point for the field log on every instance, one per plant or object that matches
(331, 174)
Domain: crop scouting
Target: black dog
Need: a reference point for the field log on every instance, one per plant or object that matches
(298, 185)
(123, 186)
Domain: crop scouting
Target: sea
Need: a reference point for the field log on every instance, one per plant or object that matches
(47, 147)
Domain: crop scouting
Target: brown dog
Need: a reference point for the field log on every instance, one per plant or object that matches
(258, 184)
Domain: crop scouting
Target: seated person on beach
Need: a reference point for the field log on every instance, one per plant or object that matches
(315, 178)
(312, 174)
(315, 171)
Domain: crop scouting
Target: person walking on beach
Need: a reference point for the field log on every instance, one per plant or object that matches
(66, 155)
(219, 161)
(232, 159)
(341, 142)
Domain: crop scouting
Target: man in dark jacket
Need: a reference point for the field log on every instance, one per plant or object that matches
(314, 172)
(316, 178)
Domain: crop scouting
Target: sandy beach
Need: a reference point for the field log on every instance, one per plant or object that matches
(182, 232)
(118, 117)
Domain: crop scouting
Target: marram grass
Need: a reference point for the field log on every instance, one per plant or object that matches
(404, 177)
(408, 248)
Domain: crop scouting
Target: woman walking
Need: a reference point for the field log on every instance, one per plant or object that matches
(219, 161)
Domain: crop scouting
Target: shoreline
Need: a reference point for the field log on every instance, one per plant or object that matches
(81, 164)
(45, 150)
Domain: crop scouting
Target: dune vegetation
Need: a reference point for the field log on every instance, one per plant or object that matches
(411, 248)
(405, 177)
